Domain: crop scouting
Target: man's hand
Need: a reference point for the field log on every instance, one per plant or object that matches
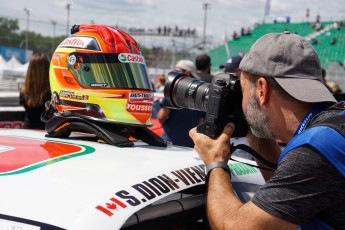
(209, 149)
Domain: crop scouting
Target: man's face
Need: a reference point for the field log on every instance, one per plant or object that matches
(256, 117)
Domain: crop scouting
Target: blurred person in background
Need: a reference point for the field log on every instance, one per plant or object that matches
(203, 67)
(177, 122)
(187, 67)
(232, 65)
(335, 87)
(159, 89)
(35, 91)
(160, 83)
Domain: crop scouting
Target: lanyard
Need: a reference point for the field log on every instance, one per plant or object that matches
(307, 118)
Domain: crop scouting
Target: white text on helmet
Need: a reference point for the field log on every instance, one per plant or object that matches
(139, 108)
(78, 42)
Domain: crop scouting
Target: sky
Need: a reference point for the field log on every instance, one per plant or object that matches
(223, 17)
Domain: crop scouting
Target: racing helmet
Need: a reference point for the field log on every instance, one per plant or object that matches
(98, 73)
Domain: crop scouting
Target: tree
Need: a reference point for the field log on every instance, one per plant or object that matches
(8, 26)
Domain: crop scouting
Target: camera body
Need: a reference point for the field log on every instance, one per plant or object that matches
(221, 100)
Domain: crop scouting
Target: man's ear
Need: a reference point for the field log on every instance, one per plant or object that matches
(262, 91)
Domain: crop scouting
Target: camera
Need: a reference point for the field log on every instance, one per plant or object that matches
(221, 100)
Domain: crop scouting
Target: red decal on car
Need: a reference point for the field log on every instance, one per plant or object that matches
(19, 154)
(111, 206)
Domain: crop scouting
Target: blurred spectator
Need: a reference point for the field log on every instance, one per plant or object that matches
(248, 31)
(314, 41)
(231, 66)
(334, 86)
(35, 91)
(160, 83)
(235, 35)
(318, 17)
(187, 67)
(334, 41)
(203, 67)
(336, 26)
(242, 31)
(177, 122)
(324, 74)
(318, 26)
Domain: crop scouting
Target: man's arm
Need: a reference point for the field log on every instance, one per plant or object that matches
(163, 115)
(225, 210)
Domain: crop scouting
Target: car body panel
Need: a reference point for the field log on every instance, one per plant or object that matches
(75, 183)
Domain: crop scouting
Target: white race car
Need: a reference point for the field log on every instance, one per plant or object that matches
(76, 183)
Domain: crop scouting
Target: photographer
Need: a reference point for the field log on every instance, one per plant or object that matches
(283, 98)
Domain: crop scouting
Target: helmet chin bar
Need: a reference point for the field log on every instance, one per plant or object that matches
(110, 133)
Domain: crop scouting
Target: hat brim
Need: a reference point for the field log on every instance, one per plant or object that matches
(306, 90)
(230, 66)
(195, 75)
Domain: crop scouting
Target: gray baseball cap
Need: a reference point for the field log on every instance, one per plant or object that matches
(292, 61)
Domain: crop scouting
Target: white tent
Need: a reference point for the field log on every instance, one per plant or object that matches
(12, 69)
(3, 63)
(4, 66)
(14, 63)
(21, 70)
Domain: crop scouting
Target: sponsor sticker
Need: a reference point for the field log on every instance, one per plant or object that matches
(20, 155)
(140, 102)
(77, 42)
(71, 95)
(152, 189)
(238, 169)
(131, 58)
(140, 97)
(139, 108)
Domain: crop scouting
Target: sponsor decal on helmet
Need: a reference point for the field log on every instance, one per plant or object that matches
(140, 102)
(141, 97)
(71, 95)
(98, 85)
(138, 108)
(72, 60)
(131, 58)
(77, 42)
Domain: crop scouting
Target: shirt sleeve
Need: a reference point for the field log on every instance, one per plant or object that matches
(305, 185)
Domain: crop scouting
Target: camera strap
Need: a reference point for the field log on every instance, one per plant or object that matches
(254, 154)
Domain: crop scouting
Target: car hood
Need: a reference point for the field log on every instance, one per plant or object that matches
(75, 183)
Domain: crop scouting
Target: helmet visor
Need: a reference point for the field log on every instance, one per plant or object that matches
(109, 70)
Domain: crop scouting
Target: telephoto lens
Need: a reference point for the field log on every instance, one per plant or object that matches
(182, 91)
(221, 100)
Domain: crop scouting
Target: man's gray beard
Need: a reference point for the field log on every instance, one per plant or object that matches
(257, 118)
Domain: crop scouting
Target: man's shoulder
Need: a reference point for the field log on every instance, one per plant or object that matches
(206, 77)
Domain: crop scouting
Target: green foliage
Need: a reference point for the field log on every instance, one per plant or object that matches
(8, 26)
(11, 36)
